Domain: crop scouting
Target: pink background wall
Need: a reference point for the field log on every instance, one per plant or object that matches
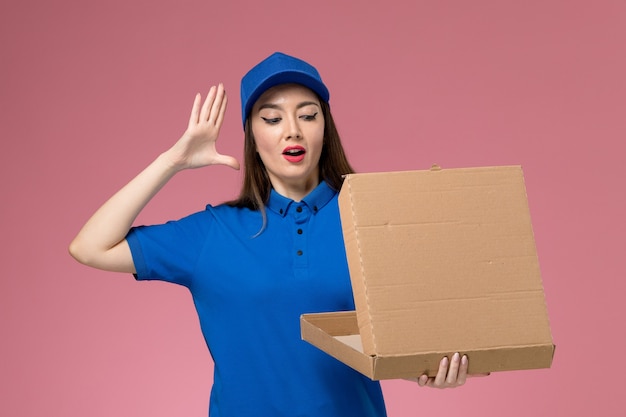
(91, 92)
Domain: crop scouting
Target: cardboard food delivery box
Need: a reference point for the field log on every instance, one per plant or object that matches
(441, 261)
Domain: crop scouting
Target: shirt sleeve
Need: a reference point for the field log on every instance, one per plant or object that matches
(170, 251)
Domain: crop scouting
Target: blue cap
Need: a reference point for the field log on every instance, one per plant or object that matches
(276, 69)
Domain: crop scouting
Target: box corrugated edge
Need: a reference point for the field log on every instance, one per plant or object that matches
(320, 330)
(344, 323)
(355, 265)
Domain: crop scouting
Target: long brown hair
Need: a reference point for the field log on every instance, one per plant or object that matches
(256, 187)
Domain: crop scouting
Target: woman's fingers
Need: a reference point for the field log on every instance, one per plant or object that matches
(216, 106)
(213, 108)
(222, 110)
(453, 370)
(208, 104)
(462, 376)
(195, 110)
(451, 373)
(227, 160)
(196, 148)
(440, 378)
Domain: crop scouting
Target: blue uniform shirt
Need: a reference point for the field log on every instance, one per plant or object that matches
(250, 290)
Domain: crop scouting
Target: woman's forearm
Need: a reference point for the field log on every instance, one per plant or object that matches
(101, 242)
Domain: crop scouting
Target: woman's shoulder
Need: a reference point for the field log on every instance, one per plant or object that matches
(228, 213)
(205, 222)
(229, 210)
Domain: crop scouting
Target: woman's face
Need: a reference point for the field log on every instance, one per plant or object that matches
(288, 128)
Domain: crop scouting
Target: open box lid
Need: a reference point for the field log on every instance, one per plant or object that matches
(442, 259)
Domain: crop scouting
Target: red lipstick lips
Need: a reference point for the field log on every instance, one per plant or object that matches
(294, 153)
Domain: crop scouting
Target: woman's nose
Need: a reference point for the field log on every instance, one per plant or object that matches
(293, 129)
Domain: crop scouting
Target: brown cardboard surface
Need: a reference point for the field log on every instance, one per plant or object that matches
(440, 261)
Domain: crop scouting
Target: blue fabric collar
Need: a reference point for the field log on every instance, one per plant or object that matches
(315, 200)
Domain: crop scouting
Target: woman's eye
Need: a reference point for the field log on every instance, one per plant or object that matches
(271, 120)
(309, 117)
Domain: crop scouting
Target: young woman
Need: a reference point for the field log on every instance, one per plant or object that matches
(255, 264)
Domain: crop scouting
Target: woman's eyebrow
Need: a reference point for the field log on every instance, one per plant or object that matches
(270, 106)
(307, 103)
(278, 107)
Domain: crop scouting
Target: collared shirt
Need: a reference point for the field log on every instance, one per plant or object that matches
(250, 289)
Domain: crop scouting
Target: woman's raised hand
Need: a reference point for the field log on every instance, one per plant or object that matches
(101, 242)
(196, 148)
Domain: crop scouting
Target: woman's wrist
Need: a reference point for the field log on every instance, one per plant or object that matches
(170, 162)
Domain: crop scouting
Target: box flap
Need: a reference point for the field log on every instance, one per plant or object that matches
(441, 250)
